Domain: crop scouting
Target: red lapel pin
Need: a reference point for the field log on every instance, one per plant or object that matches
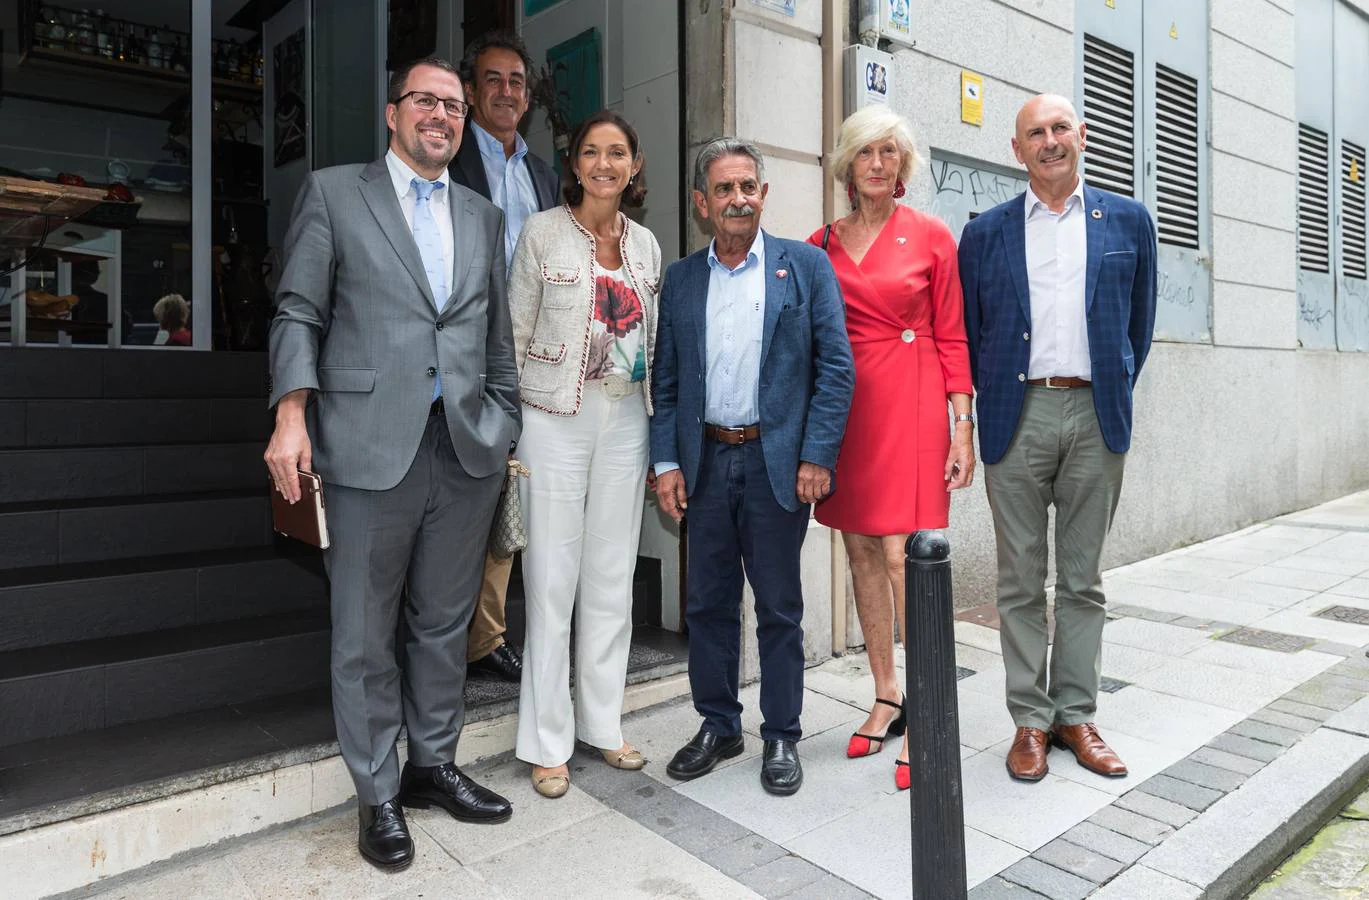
(781, 273)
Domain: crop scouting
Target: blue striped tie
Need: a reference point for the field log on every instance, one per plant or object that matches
(429, 241)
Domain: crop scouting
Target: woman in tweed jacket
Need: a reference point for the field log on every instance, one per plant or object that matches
(583, 293)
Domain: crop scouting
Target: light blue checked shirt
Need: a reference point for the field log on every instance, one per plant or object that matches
(736, 322)
(511, 187)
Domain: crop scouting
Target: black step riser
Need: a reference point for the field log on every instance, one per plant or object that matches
(99, 423)
(52, 537)
(44, 706)
(41, 372)
(68, 611)
(29, 476)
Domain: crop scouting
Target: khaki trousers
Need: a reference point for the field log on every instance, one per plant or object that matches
(487, 622)
(1057, 457)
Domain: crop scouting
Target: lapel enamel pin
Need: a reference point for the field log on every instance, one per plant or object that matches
(781, 273)
(1098, 214)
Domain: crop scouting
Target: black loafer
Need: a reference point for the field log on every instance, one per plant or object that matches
(702, 753)
(503, 662)
(445, 786)
(383, 836)
(781, 772)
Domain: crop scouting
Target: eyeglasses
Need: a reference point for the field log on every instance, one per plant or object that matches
(426, 102)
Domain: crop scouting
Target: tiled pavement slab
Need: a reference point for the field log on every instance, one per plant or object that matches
(1232, 749)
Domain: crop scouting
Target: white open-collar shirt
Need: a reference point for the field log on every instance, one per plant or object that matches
(1057, 257)
(402, 177)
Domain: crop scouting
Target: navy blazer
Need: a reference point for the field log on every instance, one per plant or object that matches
(467, 169)
(807, 374)
(1119, 301)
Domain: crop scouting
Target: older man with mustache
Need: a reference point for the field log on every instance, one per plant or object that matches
(1059, 287)
(752, 383)
(394, 379)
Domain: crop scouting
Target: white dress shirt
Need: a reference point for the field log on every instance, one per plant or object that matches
(402, 176)
(1057, 256)
(510, 182)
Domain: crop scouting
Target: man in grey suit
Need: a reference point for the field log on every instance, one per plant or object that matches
(394, 379)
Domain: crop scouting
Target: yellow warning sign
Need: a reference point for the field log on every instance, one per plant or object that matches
(1174, 30)
(1354, 170)
(971, 98)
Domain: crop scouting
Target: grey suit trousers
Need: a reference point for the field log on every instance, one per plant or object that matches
(403, 661)
(1057, 456)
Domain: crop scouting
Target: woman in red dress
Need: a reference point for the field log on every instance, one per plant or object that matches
(898, 461)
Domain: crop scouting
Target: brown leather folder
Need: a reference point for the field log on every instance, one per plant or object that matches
(304, 520)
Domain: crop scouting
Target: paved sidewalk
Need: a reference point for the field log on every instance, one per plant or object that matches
(1236, 683)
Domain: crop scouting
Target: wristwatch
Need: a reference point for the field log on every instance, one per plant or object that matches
(964, 417)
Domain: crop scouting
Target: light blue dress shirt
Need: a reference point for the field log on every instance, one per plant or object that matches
(511, 187)
(732, 341)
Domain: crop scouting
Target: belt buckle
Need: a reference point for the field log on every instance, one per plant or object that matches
(739, 433)
(1050, 383)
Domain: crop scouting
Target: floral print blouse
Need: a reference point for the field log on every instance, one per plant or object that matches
(616, 346)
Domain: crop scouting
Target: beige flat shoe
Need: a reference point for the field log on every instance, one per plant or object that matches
(630, 759)
(550, 786)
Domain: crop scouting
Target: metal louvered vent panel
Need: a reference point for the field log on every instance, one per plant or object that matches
(1352, 252)
(1314, 200)
(1110, 111)
(1176, 157)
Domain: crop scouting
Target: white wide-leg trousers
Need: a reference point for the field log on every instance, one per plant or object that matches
(583, 509)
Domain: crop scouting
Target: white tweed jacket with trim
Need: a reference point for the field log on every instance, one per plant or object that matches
(551, 298)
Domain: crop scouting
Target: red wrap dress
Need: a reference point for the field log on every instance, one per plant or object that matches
(904, 314)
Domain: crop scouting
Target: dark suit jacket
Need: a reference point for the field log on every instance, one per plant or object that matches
(468, 170)
(807, 374)
(1119, 298)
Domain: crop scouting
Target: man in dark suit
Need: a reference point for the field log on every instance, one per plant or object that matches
(1059, 307)
(494, 161)
(752, 383)
(394, 379)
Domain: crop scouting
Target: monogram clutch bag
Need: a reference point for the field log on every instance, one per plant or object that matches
(509, 534)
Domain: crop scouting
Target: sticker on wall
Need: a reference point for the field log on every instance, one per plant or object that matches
(1111, 4)
(971, 98)
(1174, 30)
(896, 21)
(784, 7)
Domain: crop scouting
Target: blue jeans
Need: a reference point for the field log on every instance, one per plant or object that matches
(734, 521)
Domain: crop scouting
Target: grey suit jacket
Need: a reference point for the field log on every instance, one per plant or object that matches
(355, 323)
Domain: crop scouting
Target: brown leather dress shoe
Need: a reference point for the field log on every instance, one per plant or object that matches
(1089, 749)
(1027, 757)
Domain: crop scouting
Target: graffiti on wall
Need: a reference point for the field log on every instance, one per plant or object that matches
(962, 190)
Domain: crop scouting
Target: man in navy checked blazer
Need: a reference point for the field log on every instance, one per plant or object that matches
(1059, 307)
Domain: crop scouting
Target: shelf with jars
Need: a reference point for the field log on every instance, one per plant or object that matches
(52, 35)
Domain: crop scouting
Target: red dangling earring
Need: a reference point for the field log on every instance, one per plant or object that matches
(899, 190)
(851, 192)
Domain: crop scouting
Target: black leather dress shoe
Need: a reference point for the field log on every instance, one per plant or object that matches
(445, 786)
(503, 662)
(781, 772)
(701, 754)
(383, 836)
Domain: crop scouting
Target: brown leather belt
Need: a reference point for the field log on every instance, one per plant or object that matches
(733, 437)
(1061, 381)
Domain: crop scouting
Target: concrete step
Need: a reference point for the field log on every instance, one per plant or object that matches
(53, 474)
(88, 685)
(84, 601)
(46, 534)
(119, 422)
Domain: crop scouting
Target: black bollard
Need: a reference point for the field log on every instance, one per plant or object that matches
(933, 722)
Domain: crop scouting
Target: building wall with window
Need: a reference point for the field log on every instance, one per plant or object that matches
(1255, 399)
